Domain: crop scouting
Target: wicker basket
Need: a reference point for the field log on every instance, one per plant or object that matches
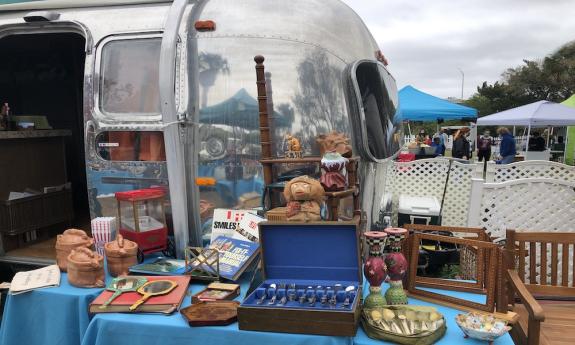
(277, 214)
(34, 212)
(375, 331)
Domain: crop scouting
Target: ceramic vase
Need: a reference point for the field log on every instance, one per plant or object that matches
(396, 266)
(374, 268)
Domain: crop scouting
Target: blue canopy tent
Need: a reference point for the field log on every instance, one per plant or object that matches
(415, 105)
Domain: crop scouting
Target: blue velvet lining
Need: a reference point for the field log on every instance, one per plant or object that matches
(310, 252)
(307, 288)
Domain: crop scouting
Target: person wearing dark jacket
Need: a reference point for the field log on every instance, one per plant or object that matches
(536, 143)
(507, 149)
(461, 147)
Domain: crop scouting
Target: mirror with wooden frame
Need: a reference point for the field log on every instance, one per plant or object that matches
(438, 277)
(435, 256)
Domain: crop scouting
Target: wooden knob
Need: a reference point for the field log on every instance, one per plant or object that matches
(259, 59)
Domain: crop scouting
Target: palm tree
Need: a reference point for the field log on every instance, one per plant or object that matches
(210, 65)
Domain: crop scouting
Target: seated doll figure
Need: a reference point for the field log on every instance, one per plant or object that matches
(333, 173)
(304, 196)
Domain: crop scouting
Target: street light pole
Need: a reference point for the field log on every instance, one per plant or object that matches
(462, 81)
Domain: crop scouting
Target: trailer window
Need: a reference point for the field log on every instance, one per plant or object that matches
(376, 124)
(131, 146)
(129, 77)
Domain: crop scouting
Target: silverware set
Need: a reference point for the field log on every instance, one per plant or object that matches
(319, 296)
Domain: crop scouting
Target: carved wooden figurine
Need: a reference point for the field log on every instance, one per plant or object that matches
(304, 196)
(293, 147)
(334, 141)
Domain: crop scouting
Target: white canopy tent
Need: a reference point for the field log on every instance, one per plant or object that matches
(538, 114)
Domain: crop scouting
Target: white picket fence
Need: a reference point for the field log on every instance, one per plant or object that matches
(529, 195)
(525, 196)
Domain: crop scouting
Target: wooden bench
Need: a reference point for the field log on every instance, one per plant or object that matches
(537, 270)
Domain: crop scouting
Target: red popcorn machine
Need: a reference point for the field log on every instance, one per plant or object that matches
(142, 219)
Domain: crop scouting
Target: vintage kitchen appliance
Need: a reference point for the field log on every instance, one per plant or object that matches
(418, 210)
(312, 280)
(142, 218)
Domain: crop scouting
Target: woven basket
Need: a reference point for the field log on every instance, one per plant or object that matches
(423, 338)
(277, 214)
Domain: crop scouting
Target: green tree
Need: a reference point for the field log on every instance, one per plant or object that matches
(551, 78)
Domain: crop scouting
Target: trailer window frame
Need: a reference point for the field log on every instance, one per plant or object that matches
(128, 116)
(376, 116)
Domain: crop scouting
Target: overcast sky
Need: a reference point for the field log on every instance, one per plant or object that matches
(427, 41)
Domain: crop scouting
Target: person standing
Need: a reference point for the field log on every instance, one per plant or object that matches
(443, 137)
(484, 146)
(461, 147)
(507, 148)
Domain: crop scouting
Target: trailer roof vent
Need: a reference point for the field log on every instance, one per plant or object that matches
(41, 16)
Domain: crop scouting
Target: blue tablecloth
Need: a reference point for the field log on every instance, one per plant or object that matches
(149, 329)
(60, 316)
(55, 316)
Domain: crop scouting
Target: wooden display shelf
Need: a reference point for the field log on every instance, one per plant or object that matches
(268, 161)
(310, 159)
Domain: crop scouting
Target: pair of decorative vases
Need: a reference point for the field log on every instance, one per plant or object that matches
(377, 267)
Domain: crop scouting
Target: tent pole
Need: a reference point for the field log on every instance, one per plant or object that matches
(565, 147)
(527, 142)
(514, 131)
(548, 135)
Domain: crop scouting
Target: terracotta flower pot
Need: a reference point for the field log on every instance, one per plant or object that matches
(120, 255)
(86, 268)
(70, 239)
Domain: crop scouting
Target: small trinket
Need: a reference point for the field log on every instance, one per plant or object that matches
(283, 294)
(262, 298)
(293, 147)
(348, 291)
(273, 291)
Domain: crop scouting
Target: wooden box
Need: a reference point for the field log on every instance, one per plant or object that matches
(217, 291)
(319, 258)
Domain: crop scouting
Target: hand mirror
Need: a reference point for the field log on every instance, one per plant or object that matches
(153, 288)
(123, 284)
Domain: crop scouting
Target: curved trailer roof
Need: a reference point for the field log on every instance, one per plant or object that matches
(31, 5)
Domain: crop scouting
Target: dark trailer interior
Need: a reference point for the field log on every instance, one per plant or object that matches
(41, 75)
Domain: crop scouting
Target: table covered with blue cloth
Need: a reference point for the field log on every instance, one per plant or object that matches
(55, 316)
(60, 316)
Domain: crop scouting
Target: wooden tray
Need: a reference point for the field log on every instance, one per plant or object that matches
(211, 313)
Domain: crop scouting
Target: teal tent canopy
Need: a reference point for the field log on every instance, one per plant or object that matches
(416, 105)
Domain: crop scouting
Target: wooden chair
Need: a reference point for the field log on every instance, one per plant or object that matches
(531, 275)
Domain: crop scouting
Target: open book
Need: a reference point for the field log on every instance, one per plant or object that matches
(48, 276)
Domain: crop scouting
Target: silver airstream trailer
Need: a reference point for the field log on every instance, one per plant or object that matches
(150, 99)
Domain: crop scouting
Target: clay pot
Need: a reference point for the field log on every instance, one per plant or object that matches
(121, 254)
(70, 239)
(86, 268)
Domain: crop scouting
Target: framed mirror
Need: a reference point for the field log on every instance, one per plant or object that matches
(436, 266)
(439, 255)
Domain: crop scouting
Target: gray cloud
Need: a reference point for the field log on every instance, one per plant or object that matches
(427, 41)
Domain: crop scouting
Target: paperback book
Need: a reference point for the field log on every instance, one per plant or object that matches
(234, 256)
(227, 223)
(161, 266)
(45, 277)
